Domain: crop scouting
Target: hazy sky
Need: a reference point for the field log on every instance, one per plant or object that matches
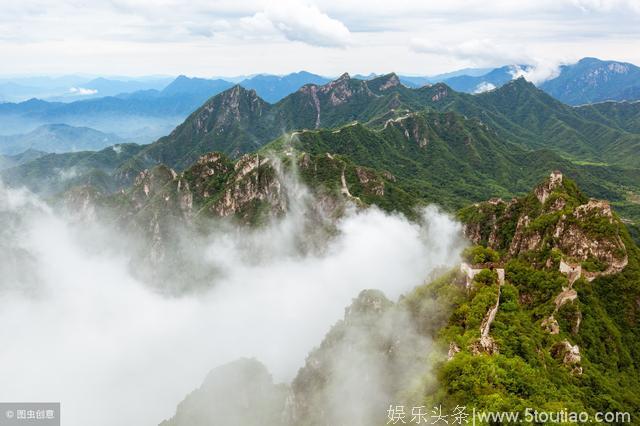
(231, 37)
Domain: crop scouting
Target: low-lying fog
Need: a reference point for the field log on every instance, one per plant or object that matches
(76, 326)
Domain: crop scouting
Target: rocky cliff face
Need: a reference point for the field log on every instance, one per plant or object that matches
(559, 230)
(439, 92)
(162, 204)
(341, 90)
(322, 106)
(254, 184)
(238, 121)
(413, 128)
(557, 218)
(536, 333)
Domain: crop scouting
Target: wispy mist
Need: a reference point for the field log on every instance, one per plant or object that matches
(79, 326)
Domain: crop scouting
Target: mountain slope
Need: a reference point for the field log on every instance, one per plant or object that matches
(58, 138)
(593, 80)
(218, 398)
(344, 100)
(498, 142)
(51, 174)
(524, 114)
(566, 327)
(232, 122)
(518, 112)
(9, 161)
(450, 160)
(413, 160)
(545, 319)
(239, 121)
(622, 115)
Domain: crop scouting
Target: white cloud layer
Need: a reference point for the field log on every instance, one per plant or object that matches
(482, 52)
(484, 87)
(78, 327)
(539, 71)
(82, 91)
(607, 5)
(223, 37)
(301, 22)
(487, 53)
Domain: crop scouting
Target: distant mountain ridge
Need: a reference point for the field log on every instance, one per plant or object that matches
(593, 80)
(145, 115)
(273, 88)
(142, 115)
(74, 87)
(489, 81)
(57, 138)
(590, 80)
(195, 86)
(9, 161)
(459, 147)
(496, 142)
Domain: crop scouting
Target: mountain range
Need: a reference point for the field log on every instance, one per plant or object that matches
(592, 80)
(74, 87)
(57, 138)
(9, 161)
(543, 312)
(144, 115)
(440, 145)
(239, 121)
(530, 323)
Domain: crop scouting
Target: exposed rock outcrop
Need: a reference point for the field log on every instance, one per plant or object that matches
(439, 92)
(254, 181)
(412, 127)
(555, 227)
(340, 91)
(370, 180)
(564, 220)
(551, 325)
(453, 350)
(569, 355)
(391, 81)
(543, 191)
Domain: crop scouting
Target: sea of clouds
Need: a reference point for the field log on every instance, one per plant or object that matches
(80, 327)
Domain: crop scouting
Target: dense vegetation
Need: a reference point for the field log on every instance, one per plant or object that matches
(439, 145)
(528, 369)
(450, 160)
(411, 147)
